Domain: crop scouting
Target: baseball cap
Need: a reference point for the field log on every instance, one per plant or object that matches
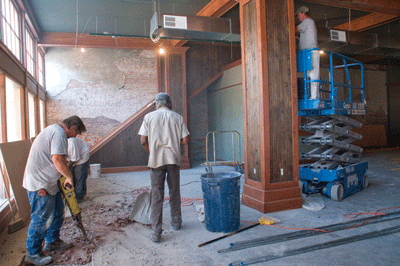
(163, 96)
(302, 9)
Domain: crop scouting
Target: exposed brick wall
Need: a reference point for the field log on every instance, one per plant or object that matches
(102, 86)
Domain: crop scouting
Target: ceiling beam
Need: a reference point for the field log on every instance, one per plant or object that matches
(217, 8)
(368, 22)
(62, 39)
(380, 6)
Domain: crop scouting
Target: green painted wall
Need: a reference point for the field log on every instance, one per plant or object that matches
(225, 113)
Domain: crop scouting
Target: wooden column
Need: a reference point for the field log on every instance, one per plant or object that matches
(172, 80)
(270, 105)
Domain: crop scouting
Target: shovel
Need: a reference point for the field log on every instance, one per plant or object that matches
(142, 209)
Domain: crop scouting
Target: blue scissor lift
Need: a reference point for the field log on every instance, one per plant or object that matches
(338, 170)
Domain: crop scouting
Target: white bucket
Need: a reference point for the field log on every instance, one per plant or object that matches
(95, 170)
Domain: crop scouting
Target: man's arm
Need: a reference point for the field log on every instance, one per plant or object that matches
(61, 165)
(185, 140)
(145, 143)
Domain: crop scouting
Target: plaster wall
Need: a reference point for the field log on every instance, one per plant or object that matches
(102, 86)
(225, 113)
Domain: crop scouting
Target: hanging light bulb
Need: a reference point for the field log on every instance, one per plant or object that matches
(161, 51)
(83, 50)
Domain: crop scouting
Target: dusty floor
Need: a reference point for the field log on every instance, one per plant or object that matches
(114, 240)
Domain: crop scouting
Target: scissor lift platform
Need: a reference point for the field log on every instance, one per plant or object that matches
(339, 170)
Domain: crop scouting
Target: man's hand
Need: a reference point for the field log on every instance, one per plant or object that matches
(145, 143)
(185, 140)
(68, 182)
(61, 165)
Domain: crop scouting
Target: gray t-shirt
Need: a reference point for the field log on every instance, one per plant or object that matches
(164, 129)
(40, 172)
(308, 34)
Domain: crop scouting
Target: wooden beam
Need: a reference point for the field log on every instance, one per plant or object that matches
(208, 83)
(121, 128)
(54, 39)
(381, 6)
(368, 22)
(217, 8)
(3, 109)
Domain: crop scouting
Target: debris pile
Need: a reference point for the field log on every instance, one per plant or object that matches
(98, 220)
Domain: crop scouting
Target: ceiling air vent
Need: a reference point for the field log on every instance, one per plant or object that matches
(338, 35)
(175, 22)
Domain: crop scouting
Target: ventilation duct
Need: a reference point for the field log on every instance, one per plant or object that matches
(357, 43)
(193, 28)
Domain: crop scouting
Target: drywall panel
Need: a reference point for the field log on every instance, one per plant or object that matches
(15, 154)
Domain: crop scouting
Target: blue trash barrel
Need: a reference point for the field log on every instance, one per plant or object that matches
(221, 194)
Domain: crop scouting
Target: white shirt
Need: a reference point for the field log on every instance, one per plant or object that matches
(164, 129)
(78, 151)
(308, 34)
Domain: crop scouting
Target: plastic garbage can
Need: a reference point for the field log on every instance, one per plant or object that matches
(221, 195)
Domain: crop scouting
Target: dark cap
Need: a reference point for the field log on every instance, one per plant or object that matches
(302, 9)
(163, 96)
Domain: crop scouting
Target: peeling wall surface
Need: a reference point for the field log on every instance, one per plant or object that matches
(102, 86)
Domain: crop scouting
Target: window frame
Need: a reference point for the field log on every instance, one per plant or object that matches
(30, 51)
(40, 68)
(11, 37)
(32, 117)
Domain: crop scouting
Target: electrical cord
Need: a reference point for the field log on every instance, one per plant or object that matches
(376, 213)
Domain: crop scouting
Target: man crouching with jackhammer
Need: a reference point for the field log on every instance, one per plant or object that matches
(46, 164)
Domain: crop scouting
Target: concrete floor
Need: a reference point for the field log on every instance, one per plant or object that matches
(130, 244)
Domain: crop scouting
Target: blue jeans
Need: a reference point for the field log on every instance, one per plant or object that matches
(80, 174)
(47, 217)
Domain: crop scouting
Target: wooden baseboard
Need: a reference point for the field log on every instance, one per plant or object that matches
(267, 201)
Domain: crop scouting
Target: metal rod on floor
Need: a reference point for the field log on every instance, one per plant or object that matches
(218, 238)
(300, 234)
(325, 245)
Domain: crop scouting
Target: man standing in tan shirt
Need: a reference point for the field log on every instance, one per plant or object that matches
(162, 132)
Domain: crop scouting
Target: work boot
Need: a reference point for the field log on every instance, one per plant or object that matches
(176, 226)
(57, 245)
(79, 200)
(176, 223)
(155, 237)
(38, 259)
